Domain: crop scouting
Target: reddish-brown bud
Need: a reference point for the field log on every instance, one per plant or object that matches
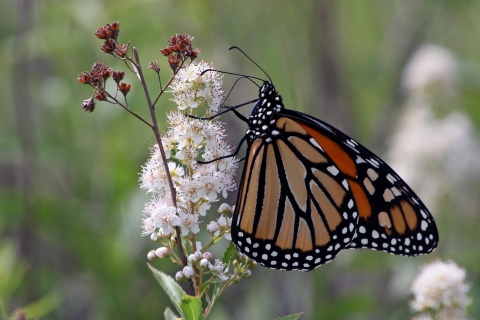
(101, 95)
(84, 77)
(108, 31)
(109, 46)
(118, 76)
(124, 88)
(103, 32)
(121, 50)
(166, 51)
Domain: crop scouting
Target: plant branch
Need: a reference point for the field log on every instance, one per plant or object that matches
(168, 83)
(128, 109)
(164, 158)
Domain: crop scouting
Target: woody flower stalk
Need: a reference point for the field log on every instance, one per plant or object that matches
(182, 174)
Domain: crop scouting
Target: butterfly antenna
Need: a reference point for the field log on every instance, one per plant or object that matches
(235, 47)
(235, 74)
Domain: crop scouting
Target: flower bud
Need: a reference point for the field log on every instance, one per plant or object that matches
(207, 255)
(204, 263)
(224, 208)
(151, 255)
(154, 236)
(246, 274)
(161, 252)
(212, 227)
(179, 275)
(198, 254)
(188, 272)
(222, 222)
(192, 258)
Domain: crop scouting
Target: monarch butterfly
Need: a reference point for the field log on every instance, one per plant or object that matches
(309, 191)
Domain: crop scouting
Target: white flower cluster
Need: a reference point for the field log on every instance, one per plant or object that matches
(440, 288)
(188, 139)
(191, 90)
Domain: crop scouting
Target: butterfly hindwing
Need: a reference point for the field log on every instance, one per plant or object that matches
(295, 209)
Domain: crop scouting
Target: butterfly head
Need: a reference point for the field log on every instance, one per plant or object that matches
(265, 113)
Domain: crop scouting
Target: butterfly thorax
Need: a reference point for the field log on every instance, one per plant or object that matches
(264, 114)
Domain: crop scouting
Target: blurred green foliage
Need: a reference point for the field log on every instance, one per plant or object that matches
(70, 204)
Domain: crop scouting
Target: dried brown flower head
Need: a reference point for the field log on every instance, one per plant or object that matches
(108, 31)
(109, 46)
(101, 95)
(118, 76)
(121, 50)
(179, 49)
(124, 88)
(154, 66)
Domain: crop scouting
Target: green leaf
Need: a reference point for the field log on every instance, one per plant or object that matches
(169, 315)
(187, 245)
(215, 293)
(291, 317)
(171, 288)
(229, 254)
(43, 306)
(192, 308)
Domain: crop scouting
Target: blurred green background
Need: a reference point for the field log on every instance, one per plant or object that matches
(70, 204)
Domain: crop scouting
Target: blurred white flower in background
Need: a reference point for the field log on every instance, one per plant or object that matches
(435, 148)
(440, 289)
(431, 69)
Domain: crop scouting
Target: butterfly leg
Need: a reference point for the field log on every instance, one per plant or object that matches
(227, 156)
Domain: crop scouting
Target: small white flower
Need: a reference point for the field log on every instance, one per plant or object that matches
(202, 209)
(189, 223)
(219, 269)
(439, 286)
(166, 218)
(188, 272)
(175, 171)
(161, 252)
(192, 190)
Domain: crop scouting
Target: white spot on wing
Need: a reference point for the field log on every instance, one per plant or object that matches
(333, 170)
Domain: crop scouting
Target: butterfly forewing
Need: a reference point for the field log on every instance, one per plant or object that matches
(391, 217)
